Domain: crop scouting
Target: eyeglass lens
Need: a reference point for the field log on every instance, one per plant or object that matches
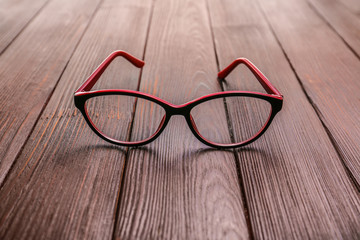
(245, 116)
(116, 115)
(130, 119)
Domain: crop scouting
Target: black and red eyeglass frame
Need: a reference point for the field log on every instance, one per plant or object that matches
(84, 92)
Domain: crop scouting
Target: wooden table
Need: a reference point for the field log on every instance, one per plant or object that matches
(300, 180)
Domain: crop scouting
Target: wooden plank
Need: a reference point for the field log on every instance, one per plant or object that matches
(176, 187)
(30, 69)
(345, 23)
(295, 184)
(352, 5)
(14, 16)
(65, 182)
(329, 72)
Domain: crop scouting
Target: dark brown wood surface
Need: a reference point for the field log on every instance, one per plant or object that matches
(68, 179)
(289, 171)
(15, 16)
(343, 20)
(58, 180)
(31, 67)
(186, 190)
(328, 70)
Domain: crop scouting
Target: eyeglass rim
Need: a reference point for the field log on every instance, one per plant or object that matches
(85, 91)
(172, 109)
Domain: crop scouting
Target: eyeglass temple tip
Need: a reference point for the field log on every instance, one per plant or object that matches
(90, 82)
(258, 74)
(135, 61)
(226, 71)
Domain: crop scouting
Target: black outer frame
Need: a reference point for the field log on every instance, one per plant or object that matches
(170, 110)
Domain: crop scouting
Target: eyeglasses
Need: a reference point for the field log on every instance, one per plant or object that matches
(113, 113)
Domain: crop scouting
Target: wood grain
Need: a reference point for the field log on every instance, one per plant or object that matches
(328, 70)
(58, 180)
(31, 67)
(352, 5)
(65, 182)
(15, 15)
(175, 187)
(295, 184)
(345, 22)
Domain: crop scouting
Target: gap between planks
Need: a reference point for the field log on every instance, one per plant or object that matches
(313, 104)
(2, 181)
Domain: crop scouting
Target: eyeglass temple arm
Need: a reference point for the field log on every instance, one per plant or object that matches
(90, 82)
(258, 74)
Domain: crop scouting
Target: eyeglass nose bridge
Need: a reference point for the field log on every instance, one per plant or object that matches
(178, 110)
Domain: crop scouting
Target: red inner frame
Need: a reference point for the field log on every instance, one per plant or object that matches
(84, 92)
